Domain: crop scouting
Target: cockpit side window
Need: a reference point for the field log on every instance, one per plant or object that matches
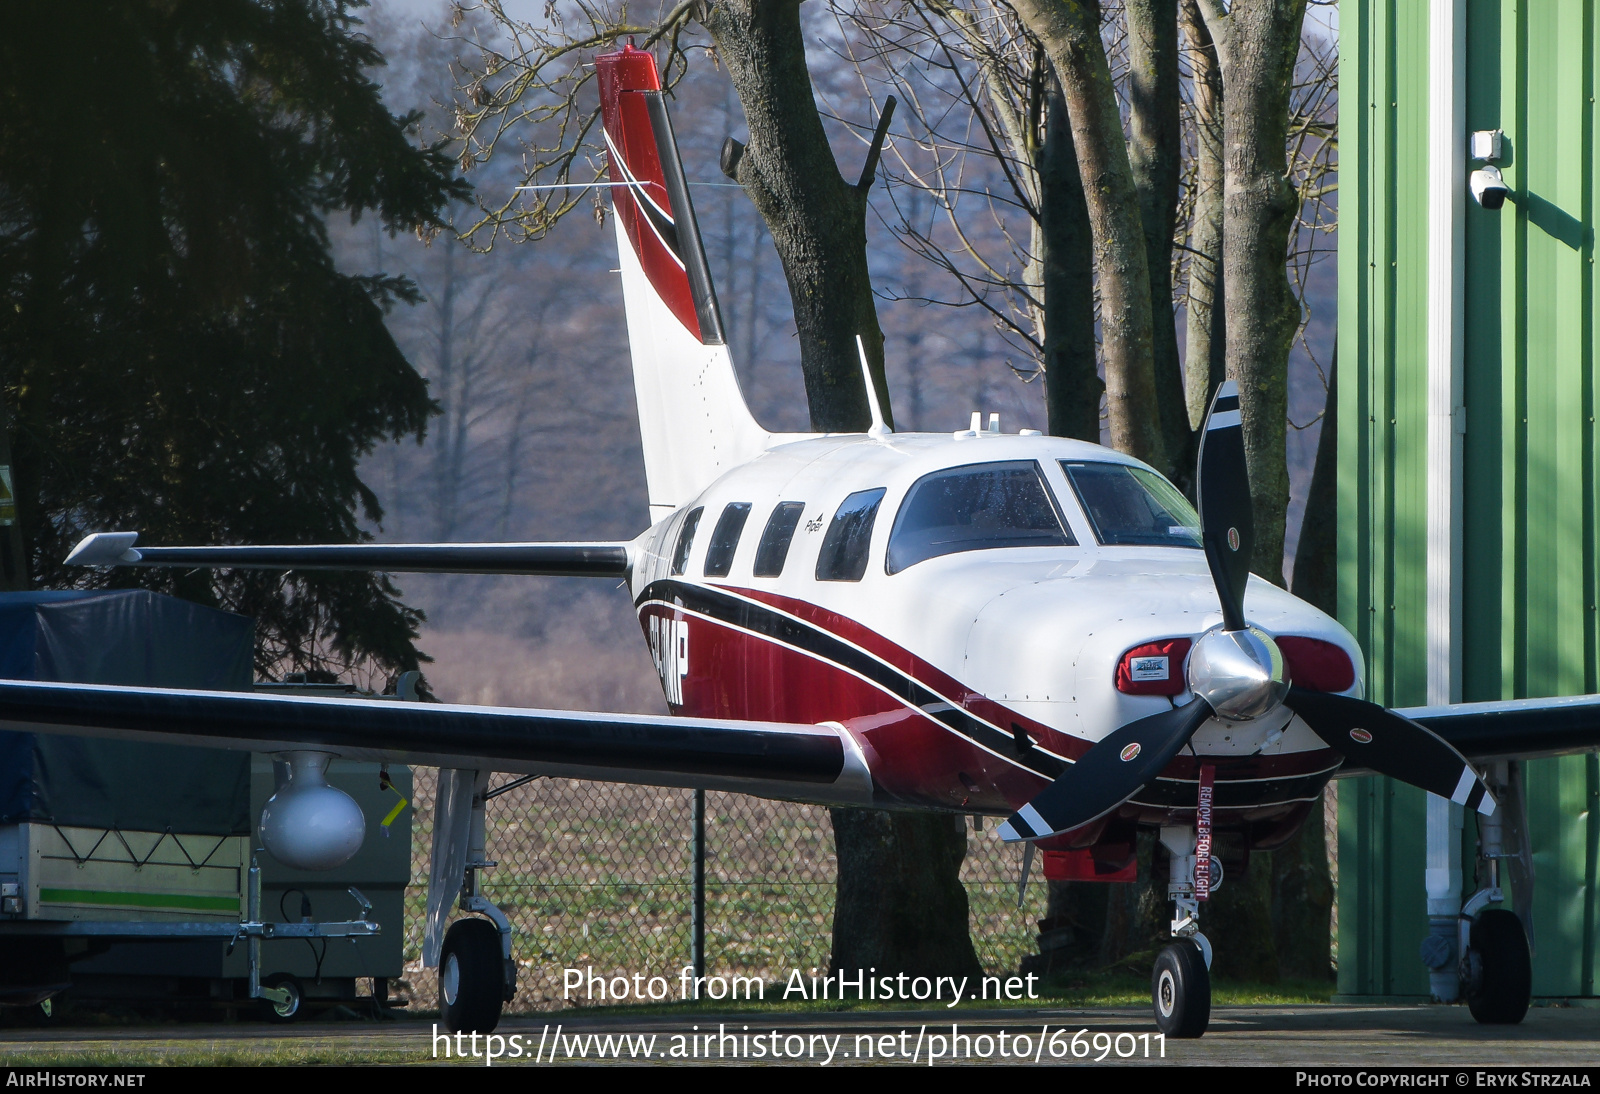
(844, 548)
(725, 538)
(1132, 506)
(773, 549)
(975, 508)
(680, 554)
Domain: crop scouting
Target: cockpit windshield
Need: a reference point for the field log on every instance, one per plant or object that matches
(1131, 506)
(974, 508)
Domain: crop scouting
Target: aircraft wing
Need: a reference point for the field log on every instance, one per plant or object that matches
(1510, 729)
(1516, 729)
(820, 764)
(598, 559)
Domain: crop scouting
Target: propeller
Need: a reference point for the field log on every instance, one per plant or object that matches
(1108, 774)
(1236, 672)
(1227, 522)
(1380, 740)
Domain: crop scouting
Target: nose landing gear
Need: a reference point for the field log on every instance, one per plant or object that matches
(1180, 986)
(1181, 990)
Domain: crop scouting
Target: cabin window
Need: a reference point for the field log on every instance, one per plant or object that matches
(725, 538)
(975, 508)
(773, 549)
(680, 554)
(1133, 506)
(844, 548)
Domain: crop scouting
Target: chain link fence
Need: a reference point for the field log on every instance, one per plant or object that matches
(598, 875)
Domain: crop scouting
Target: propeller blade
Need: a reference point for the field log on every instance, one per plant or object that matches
(1381, 740)
(1227, 524)
(1108, 774)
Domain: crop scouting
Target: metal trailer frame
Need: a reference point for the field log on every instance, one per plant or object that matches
(251, 927)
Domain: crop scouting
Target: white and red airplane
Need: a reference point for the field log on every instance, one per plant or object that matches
(1012, 625)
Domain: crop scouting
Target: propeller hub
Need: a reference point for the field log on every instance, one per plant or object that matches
(1241, 673)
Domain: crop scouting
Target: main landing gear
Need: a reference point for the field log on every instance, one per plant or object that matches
(477, 975)
(1496, 970)
(1180, 987)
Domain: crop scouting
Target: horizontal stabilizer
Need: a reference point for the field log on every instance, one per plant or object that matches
(537, 559)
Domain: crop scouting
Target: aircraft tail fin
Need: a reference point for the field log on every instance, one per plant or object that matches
(692, 415)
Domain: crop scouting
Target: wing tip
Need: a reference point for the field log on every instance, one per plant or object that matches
(105, 549)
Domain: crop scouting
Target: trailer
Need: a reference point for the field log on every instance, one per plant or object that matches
(129, 872)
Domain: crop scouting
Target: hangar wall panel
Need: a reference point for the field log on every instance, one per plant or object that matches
(1530, 626)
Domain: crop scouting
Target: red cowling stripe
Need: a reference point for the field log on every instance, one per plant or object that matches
(1317, 665)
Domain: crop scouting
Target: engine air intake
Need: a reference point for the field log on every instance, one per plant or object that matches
(1155, 668)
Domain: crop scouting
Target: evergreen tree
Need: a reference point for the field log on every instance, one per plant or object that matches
(179, 354)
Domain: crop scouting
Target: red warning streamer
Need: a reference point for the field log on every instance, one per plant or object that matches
(1202, 834)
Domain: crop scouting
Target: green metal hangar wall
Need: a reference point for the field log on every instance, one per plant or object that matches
(1468, 490)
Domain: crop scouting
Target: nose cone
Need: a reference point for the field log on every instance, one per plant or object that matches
(1241, 674)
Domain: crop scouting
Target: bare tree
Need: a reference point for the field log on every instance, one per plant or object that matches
(1069, 31)
(985, 186)
(1205, 322)
(1258, 43)
(1155, 152)
(900, 904)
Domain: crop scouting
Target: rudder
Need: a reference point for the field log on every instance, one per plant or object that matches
(693, 419)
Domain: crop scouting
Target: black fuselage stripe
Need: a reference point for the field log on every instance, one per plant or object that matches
(761, 620)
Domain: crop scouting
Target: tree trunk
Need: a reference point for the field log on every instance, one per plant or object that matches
(1071, 375)
(1238, 921)
(900, 905)
(1069, 30)
(1315, 556)
(1302, 902)
(1155, 154)
(1205, 358)
(816, 218)
(1302, 883)
(1259, 42)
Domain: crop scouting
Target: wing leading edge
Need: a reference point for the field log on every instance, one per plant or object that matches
(819, 764)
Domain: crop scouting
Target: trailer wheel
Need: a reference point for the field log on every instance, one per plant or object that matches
(289, 1011)
(471, 977)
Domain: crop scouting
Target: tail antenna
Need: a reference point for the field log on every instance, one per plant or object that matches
(878, 428)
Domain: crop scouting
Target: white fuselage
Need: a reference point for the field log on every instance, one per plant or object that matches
(1017, 640)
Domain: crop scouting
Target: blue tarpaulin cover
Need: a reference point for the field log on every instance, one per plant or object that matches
(134, 637)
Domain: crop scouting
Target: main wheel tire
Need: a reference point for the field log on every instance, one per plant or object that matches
(284, 1012)
(471, 977)
(1504, 987)
(1180, 990)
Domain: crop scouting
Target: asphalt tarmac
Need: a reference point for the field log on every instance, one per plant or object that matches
(1315, 1036)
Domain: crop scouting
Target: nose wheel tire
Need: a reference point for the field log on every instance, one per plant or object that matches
(1180, 988)
(1499, 978)
(471, 977)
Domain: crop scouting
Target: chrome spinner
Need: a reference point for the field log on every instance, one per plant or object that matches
(1241, 674)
